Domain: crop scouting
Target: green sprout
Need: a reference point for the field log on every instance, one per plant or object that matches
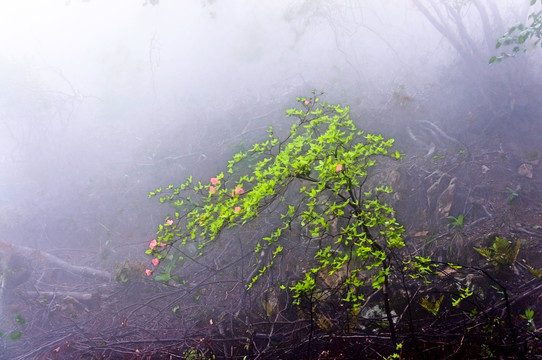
(529, 317)
(501, 252)
(456, 222)
(512, 194)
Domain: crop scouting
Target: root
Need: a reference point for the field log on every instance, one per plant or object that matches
(432, 128)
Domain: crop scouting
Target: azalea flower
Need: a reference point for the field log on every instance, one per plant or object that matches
(338, 168)
(152, 244)
(162, 244)
(155, 261)
(239, 190)
(148, 272)
(214, 181)
(169, 222)
(237, 209)
(212, 189)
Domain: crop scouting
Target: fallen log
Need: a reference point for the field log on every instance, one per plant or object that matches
(80, 270)
(16, 267)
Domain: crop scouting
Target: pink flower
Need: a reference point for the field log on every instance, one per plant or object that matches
(306, 102)
(148, 272)
(239, 190)
(152, 244)
(214, 181)
(169, 222)
(338, 168)
(162, 244)
(212, 189)
(155, 261)
(236, 209)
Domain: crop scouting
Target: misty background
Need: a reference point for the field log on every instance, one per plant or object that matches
(102, 102)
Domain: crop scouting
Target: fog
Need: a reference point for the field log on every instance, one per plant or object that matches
(103, 101)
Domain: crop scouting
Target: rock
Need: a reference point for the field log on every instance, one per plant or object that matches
(395, 182)
(434, 189)
(526, 170)
(445, 200)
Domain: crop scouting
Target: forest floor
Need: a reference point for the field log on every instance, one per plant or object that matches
(492, 181)
(456, 194)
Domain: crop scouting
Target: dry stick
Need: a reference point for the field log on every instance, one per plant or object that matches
(408, 309)
(385, 288)
(521, 230)
(507, 306)
(81, 270)
(81, 296)
(311, 331)
(52, 343)
(387, 307)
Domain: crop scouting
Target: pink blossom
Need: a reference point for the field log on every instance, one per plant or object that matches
(155, 261)
(152, 244)
(237, 209)
(169, 222)
(306, 102)
(338, 168)
(239, 190)
(214, 181)
(212, 189)
(162, 244)
(148, 272)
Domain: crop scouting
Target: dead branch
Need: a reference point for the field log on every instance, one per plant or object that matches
(80, 270)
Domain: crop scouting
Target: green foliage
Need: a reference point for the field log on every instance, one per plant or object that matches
(465, 292)
(486, 352)
(323, 165)
(537, 273)
(420, 268)
(512, 194)
(15, 335)
(501, 252)
(195, 354)
(397, 354)
(165, 273)
(529, 317)
(456, 222)
(518, 35)
(19, 319)
(129, 271)
(432, 306)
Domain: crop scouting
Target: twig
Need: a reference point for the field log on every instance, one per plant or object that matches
(33, 352)
(521, 230)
